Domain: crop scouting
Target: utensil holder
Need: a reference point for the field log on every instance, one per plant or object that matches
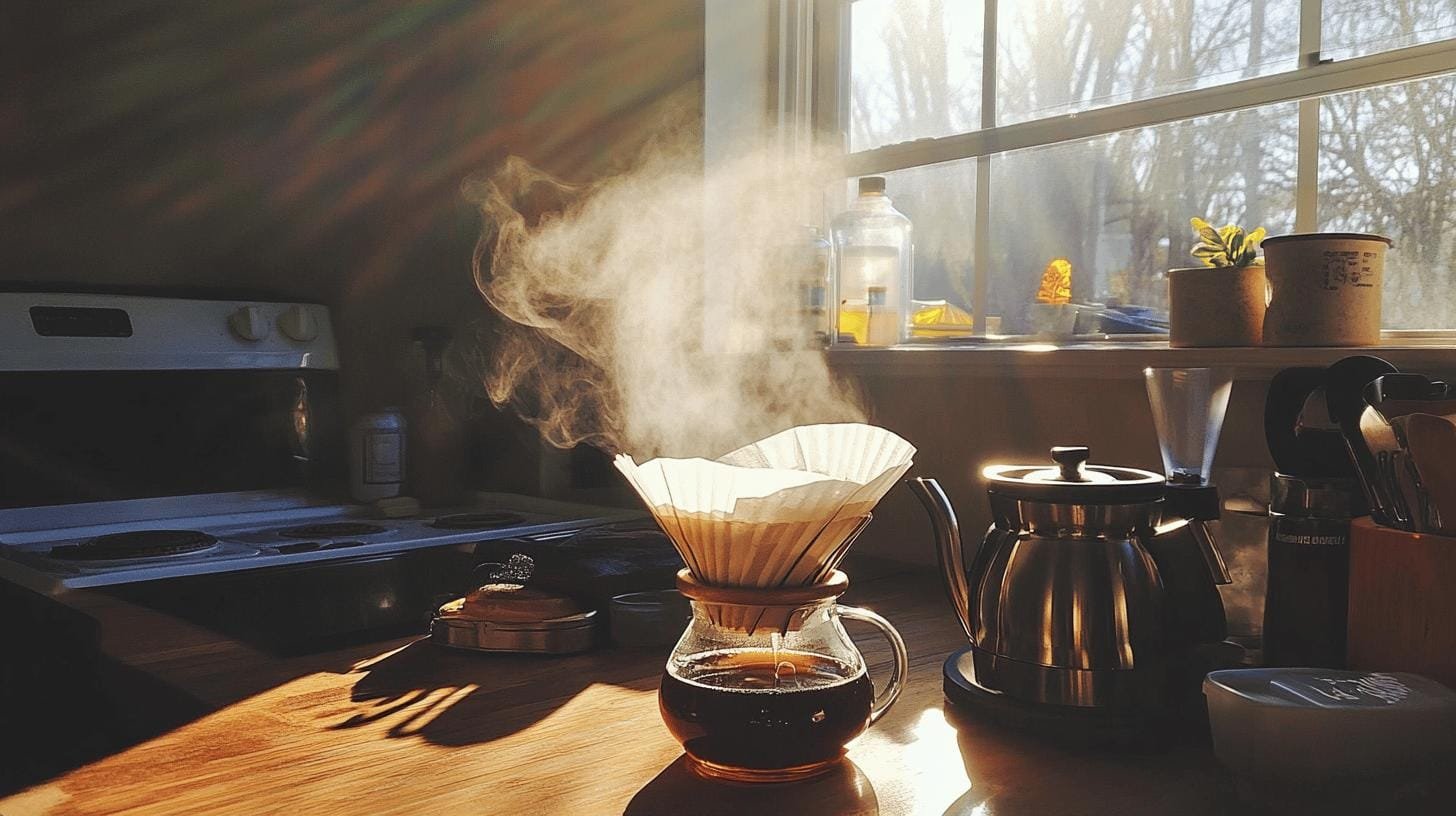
(1402, 612)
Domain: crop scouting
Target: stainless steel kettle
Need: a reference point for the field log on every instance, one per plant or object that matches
(1064, 602)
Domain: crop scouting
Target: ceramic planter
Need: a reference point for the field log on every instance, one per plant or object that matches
(1325, 289)
(1052, 320)
(1216, 306)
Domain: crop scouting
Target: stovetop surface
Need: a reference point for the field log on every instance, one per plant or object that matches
(54, 560)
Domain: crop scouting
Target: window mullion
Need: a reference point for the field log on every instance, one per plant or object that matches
(831, 74)
(981, 228)
(1413, 62)
(1306, 175)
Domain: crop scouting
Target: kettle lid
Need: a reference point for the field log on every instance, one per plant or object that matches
(1073, 481)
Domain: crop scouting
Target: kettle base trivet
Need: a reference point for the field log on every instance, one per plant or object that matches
(1073, 724)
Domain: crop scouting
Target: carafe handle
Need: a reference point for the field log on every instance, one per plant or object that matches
(886, 698)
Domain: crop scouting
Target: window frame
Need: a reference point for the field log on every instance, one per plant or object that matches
(1314, 77)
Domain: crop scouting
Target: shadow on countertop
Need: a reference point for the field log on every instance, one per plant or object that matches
(844, 791)
(478, 697)
(459, 697)
(456, 697)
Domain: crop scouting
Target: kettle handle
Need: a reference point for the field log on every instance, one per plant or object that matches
(949, 547)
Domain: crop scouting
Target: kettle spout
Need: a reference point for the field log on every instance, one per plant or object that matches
(947, 545)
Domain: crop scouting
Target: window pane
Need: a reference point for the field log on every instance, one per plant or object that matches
(940, 201)
(1388, 165)
(915, 70)
(1354, 28)
(1117, 207)
(1060, 56)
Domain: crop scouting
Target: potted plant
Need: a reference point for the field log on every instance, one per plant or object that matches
(1221, 303)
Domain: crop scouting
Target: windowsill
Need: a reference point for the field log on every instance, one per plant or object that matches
(1122, 359)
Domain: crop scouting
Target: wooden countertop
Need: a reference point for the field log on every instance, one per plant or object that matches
(405, 727)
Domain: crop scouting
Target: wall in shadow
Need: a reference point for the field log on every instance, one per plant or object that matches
(314, 150)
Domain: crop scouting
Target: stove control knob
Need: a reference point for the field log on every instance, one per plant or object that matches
(249, 323)
(299, 324)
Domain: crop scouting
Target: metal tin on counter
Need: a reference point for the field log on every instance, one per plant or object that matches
(566, 635)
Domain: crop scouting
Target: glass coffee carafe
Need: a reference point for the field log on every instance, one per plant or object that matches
(766, 686)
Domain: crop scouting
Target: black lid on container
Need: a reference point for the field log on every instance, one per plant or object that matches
(1073, 481)
(1325, 236)
(871, 184)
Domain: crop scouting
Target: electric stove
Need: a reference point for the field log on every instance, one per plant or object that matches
(189, 455)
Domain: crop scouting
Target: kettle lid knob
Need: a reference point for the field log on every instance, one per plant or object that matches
(1072, 459)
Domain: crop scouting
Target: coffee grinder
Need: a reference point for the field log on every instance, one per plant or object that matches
(1188, 407)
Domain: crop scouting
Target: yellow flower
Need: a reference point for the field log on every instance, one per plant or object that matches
(1056, 282)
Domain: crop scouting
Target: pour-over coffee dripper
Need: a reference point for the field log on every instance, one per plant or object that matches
(765, 685)
(1188, 412)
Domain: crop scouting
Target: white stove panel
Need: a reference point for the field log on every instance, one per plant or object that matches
(256, 540)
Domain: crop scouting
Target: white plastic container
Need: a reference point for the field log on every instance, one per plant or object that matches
(377, 456)
(1336, 739)
(1325, 288)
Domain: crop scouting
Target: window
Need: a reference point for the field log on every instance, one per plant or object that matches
(1016, 132)
(1387, 164)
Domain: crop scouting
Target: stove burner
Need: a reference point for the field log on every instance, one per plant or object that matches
(332, 530)
(136, 544)
(477, 521)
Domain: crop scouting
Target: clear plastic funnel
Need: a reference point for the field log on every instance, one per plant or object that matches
(1188, 410)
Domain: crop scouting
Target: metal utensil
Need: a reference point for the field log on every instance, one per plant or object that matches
(1431, 442)
(1381, 493)
(1392, 399)
(1345, 383)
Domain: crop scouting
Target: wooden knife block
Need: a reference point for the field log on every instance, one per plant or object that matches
(1402, 614)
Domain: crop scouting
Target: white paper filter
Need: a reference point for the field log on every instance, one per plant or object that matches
(773, 513)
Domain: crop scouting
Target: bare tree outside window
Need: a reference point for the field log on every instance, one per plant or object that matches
(1117, 206)
(1387, 159)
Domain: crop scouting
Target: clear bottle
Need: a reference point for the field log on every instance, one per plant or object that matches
(872, 248)
(816, 284)
(437, 459)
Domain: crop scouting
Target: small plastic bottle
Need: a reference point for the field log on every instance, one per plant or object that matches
(377, 460)
(872, 248)
(883, 324)
(816, 288)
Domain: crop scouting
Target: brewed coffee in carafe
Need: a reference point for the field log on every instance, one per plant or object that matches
(759, 709)
(766, 685)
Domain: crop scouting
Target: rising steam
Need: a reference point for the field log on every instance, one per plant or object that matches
(654, 312)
